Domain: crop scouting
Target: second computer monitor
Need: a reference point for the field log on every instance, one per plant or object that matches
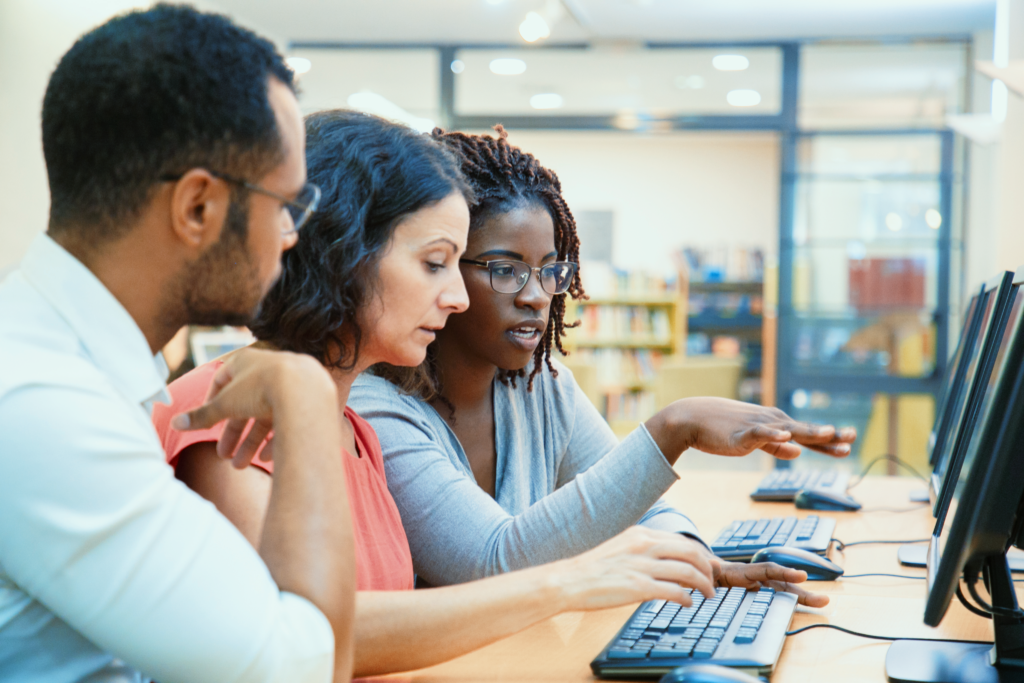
(963, 409)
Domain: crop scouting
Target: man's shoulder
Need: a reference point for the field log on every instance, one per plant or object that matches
(37, 346)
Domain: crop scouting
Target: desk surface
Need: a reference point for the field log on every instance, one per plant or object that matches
(561, 648)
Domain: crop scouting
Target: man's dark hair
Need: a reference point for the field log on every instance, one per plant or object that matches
(150, 94)
(372, 174)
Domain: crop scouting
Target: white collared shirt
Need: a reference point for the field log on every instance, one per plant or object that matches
(110, 568)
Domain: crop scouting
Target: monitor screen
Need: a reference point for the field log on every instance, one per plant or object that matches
(959, 403)
(971, 452)
(987, 487)
(954, 378)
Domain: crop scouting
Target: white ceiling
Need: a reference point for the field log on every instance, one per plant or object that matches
(461, 21)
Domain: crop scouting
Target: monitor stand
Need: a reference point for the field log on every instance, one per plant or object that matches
(915, 555)
(957, 661)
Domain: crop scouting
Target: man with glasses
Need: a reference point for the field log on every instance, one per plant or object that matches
(175, 155)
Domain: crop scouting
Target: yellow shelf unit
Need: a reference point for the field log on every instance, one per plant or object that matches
(601, 390)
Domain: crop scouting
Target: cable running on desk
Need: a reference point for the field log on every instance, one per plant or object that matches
(868, 635)
(840, 546)
(890, 458)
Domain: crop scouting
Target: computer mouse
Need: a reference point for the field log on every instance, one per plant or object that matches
(818, 568)
(707, 673)
(824, 499)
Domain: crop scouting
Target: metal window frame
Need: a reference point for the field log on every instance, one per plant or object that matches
(785, 123)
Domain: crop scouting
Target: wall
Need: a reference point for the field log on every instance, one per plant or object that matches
(668, 190)
(34, 34)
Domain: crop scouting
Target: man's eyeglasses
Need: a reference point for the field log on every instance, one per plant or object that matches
(509, 277)
(300, 208)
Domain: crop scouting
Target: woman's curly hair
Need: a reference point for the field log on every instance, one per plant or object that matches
(504, 178)
(372, 173)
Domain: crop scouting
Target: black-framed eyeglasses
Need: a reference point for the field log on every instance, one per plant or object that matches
(300, 208)
(509, 277)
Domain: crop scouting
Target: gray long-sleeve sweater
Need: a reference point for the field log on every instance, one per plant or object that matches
(563, 482)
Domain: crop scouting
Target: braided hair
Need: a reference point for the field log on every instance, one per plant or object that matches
(503, 178)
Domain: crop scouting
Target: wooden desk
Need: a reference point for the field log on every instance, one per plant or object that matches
(561, 648)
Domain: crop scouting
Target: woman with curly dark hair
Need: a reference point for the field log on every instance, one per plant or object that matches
(497, 459)
(372, 279)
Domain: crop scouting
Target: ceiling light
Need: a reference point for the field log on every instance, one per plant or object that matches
(730, 62)
(893, 222)
(534, 28)
(743, 98)
(458, 66)
(546, 101)
(508, 67)
(299, 65)
(933, 218)
(372, 103)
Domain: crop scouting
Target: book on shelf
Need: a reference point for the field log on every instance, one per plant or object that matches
(629, 405)
(607, 322)
(723, 263)
(622, 367)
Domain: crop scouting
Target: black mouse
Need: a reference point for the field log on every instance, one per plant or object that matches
(818, 568)
(824, 499)
(707, 673)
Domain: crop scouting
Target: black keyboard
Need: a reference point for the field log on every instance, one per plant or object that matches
(783, 484)
(741, 539)
(735, 628)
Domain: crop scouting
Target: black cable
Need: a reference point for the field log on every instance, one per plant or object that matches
(970, 608)
(991, 609)
(839, 628)
(891, 458)
(897, 576)
(868, 635)
(840, 546)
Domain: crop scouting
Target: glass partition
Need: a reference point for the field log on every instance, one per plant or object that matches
(661, 83)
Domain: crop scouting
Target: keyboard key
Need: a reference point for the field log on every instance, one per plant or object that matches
(659, 653)
(714, 633)
(745, 635)
(626, 654)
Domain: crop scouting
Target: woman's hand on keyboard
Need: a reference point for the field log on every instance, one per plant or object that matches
(725, 427)
(638, 564)
(766, 574)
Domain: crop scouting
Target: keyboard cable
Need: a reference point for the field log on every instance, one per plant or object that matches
(840, 546)
(890, 458)
(868, 635)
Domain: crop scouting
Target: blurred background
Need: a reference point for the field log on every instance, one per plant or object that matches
(781, 202)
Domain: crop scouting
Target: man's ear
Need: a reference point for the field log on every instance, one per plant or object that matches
(199, 207)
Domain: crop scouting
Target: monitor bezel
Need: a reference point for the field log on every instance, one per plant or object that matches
(944, 407)
(989, 515)
(999, 286)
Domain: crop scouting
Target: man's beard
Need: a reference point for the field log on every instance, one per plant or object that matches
(223, 287)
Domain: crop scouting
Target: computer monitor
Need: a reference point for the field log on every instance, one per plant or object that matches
(971, 537)
(955, 375)
(964, 406)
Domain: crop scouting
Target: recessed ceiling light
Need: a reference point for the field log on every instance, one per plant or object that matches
(730, 62)
(546, 101)
(299, 65)
(893, 222)
(508, 67)
(933, 218)
(534, 28)
(458, 66)
(743, 98)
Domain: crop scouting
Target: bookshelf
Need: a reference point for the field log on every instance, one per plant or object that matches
(727, 319)
(626, 333)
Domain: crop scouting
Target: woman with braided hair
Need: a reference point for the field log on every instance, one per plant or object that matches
(495, 457)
